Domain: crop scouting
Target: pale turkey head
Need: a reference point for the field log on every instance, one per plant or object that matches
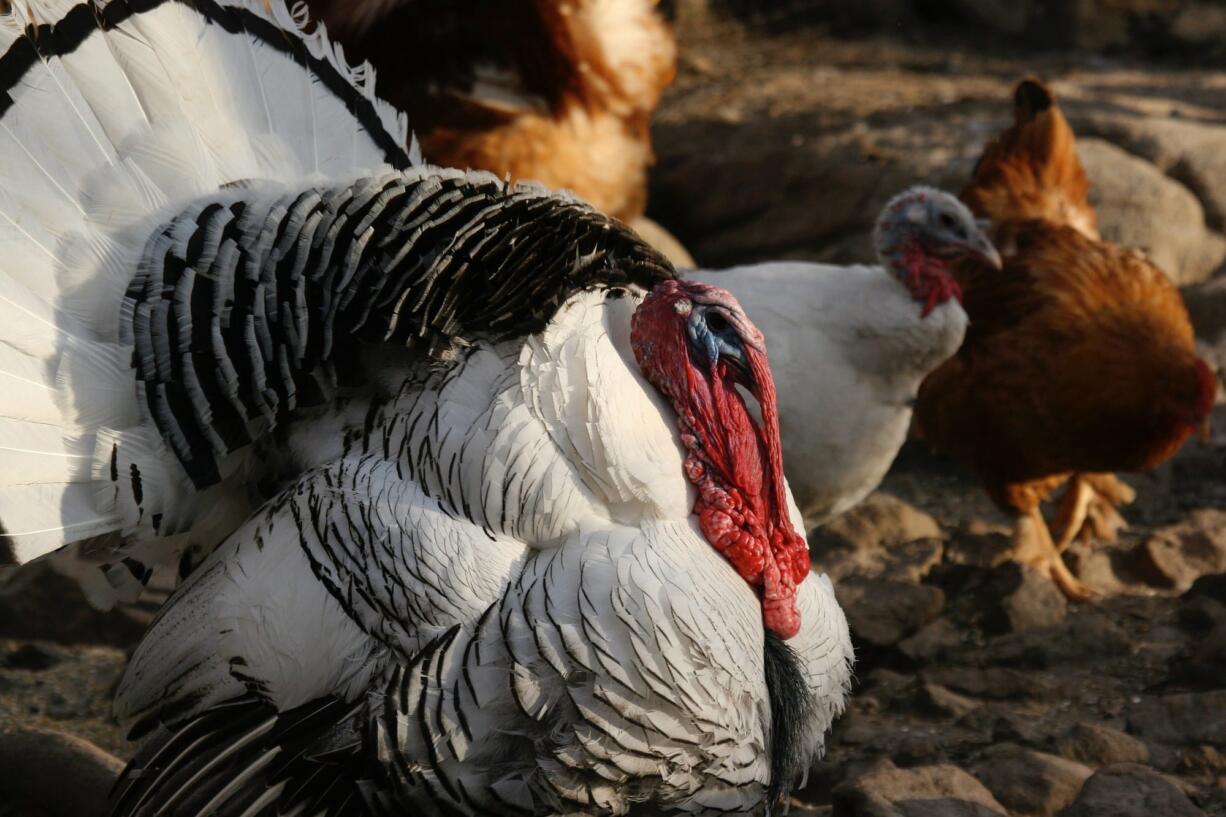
(695, 344)
(920, 233)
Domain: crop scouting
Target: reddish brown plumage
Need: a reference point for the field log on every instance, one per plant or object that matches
(1031, 170)
(1080, 355)
(577, 82)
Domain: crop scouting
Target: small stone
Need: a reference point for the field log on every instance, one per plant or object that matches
(934, 699)
(1023, 600)
(991, 682)
(1029, 782)
(31, 657)
(1210, 587)
(884, 790)
(882, 612)
(985, 549)
(1100, 745)
(1200, 614)
(1086, 637)
(1181, 719)
(1130, 790)
(1205, 668)
(882, 537)
(1177, 555)
(1015, 727)
(932, 641)
(1202, 760)
(882, 521)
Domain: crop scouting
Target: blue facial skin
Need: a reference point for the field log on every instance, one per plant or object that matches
(715, 338)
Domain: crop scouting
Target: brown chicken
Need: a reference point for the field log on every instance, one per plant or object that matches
(1079, 359)
(556, 91)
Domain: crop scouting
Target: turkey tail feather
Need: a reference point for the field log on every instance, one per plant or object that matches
(111, 111)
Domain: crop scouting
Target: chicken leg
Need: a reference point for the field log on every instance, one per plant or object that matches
(1088, 509)
(1033, 546)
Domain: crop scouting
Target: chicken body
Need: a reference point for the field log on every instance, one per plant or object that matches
(1080, 357)
(555, 91)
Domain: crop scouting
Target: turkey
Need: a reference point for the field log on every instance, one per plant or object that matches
(491, 526)
(851, 345)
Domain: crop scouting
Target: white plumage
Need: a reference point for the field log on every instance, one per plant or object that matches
(849, 348)
(477, 582)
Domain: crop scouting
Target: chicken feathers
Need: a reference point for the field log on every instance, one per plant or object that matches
(1080, 357)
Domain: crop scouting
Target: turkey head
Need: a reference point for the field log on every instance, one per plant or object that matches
(695, 344)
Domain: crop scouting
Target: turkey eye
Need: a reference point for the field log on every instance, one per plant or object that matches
(716, 322)
(947, 221)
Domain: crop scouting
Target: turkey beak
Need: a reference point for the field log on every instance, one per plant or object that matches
(739, 368)
(983, 249)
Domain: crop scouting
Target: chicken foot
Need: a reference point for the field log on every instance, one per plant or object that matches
(1087, 509)
(1033, 546)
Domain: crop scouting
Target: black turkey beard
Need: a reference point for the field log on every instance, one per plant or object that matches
(791, 712)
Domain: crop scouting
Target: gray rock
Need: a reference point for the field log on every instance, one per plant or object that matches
(37, 762)
(1029, 782)
(1130, 790)
(1140, 207)
(991, 682)
(1100, 745)
(1203, 760)
(884, 790)
(984, 549)
(1205, 667)
(1181, 719)
(1022, 600)
(882, 521)
(932, 642)
(1087, 637)
(1177, 555)
(1200, 23)
(1209, 587)
(940, 701)
(883, 612)
(1206, 304)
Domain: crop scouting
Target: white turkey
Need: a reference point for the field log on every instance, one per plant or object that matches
(527, 549)
(851, 345)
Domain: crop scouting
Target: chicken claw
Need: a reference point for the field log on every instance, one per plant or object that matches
(1033, 546)
(1087, 509)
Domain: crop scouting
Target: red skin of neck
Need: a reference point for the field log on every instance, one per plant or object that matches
(736, 465)
(928, 277)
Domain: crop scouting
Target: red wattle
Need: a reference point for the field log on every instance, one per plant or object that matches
(736, 465)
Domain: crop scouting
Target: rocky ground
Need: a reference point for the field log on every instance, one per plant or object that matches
(979, 690)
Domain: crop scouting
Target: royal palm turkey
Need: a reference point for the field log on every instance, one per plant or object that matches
(493, 505)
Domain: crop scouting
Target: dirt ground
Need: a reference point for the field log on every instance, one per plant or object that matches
(979, 691)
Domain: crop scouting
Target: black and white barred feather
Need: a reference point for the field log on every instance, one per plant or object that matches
(458, 569)
(243, 306)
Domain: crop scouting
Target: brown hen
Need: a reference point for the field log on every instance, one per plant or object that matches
(1079, 359)
(555, 91)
